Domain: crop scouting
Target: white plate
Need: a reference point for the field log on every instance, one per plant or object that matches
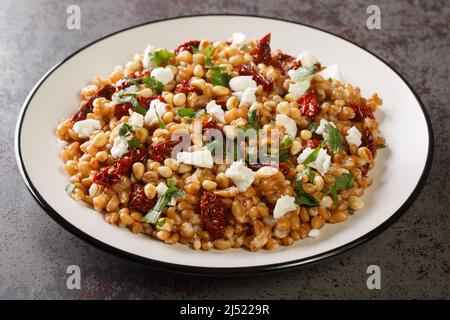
(400, 170)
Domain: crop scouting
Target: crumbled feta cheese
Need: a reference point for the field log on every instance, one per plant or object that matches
(93, 189)
(84, 128)
(244, 88)
(137, 120)
(321, 129)
(241, 83)
(288, 123)
(354, 136)
(298, 89)
(147, 58)
(332, 72)
(307, 59)
(239, 38)
(201, 158)
(156, 107)
(314, 233)
(322, 162)
(163, 75)
(120, 146)
(215, 110)
(284, 205)
(161, 188)
(248, 96)
(241, 175)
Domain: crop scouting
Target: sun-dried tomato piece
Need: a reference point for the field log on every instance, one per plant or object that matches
(364, 169)
(361, 112)
(136, 154)
(106, 92)
(312, 143)
(186, 87)
(107, 177)
(309, 104)
(162, 150)
(145, 101)
(123, 165)
(122, 109)
(214, 214)
(285, 62)
(369, 141)
(248, 70)
(210, 124)
(262, 52)
(187, 46)
(139, 200)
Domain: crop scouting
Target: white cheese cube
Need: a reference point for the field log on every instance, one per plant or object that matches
(120, 146)
(201, 158)
(322, 162)
(241, 176)
(241, 83)
(332, 72)
(137, 120)
(284, 205)
(163, 75)
(84, 128)
(238, 38)
(288, 123)
(307, 59)
(157, 108)
(298, 89)
(215, 111)
(354, 136)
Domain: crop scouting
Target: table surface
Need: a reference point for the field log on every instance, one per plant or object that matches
(413, 254)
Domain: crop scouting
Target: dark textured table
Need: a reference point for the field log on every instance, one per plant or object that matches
(413, 254)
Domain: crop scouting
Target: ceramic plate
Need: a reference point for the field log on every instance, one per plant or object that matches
(399, 175)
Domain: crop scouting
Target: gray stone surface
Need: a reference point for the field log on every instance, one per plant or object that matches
(35, 251)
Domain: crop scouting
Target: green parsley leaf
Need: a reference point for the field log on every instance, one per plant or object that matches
(220, 79)
(283, 156)
(286, 142)
(125, 129)
(303, 198)
(345, 181)
(186, 112)
(127, 97)
(208, 52)
(152, 83)
(381, 146)
(134, 143)
(172, 191)
(312, 127)
(244, 47)
(162, 57)
(161, 222)
(160, 123)
(334, 139)
(194, 50)
(69, 188)
(312, 156)
(329, 79)
(253, 119)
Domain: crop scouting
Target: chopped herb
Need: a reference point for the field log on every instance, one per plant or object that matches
(312, 156)
(69, 188)
(345, 181)
(311, 174)
(124, 96)
(283, 156)
(162, 57)
(161, 222)
(381, 146)
(334, 194)
(160, 123)
(153, 215)
(286, 142)
(306, 71)
(125, 129)
(129, 91)
(220, 79)
(139, 109)
(334, 138)
(134, 143)
(152, 83)
(208, 52)
(244, 47)
(329, 79)
(186, 112)
(303, 198)
(253, 119)
(312, 127)
(194, 50)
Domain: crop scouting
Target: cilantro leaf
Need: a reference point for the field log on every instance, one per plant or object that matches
(283, 156)
(303, 198)
(120, 98)
(286, 142)
(160, 123)
(172, 191)
(208, 52)
(162, 57)
(152, 83)
(312, 127)
(134, 143)
(312, 156)
(334, 138)
(345, 181)
(125, 129)
(186, 112)
(220, 79)
(161, 222)
(334, 194)
(253, 119)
